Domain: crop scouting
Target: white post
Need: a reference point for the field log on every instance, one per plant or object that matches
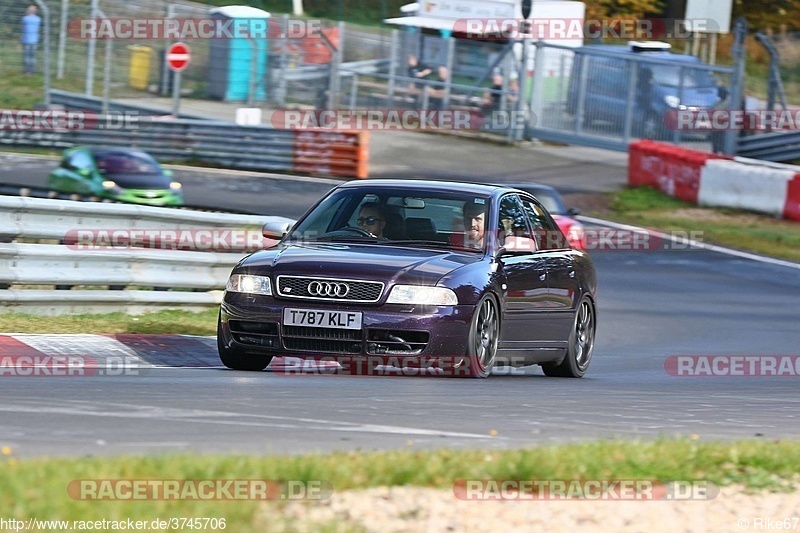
(297, 8)
(90, 55)
(62, 39)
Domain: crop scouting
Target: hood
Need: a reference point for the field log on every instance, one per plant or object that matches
(389, 264)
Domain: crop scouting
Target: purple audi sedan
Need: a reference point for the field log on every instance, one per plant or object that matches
(454, 277)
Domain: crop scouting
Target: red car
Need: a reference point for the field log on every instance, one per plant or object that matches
(564, 217)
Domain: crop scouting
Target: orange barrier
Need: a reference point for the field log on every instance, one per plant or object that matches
(339, 153)
(792, 208)
(671, 169)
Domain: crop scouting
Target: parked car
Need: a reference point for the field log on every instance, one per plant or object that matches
(119, 173)
(416, 273)
(664, 82)
(564, 217)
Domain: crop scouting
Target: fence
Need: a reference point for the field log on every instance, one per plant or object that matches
(101, 251)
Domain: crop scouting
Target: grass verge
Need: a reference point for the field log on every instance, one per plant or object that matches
(167, 322)
(38, 487)
(741, 230)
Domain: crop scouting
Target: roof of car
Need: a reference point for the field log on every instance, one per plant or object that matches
(426, 185)
(624, 50)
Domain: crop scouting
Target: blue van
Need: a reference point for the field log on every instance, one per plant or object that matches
(658, 86)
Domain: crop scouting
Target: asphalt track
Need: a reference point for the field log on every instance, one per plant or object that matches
(652, 305)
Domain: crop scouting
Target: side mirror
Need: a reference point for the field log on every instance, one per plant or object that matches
(167, 172)
(275, 230)
(85, 172)
(573, 211)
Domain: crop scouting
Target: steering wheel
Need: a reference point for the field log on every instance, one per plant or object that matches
(354, 229)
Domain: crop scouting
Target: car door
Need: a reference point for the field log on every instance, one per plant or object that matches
(562, 277)
(524, 274)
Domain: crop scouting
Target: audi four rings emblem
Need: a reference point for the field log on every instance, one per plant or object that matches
(328, 289)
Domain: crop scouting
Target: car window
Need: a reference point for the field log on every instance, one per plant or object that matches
(126, 163)
(432, 218)
(548, 235)
(511, 219)
(80, 161)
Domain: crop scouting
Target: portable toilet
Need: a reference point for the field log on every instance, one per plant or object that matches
(242, 54)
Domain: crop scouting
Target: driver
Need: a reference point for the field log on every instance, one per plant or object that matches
(372, 218)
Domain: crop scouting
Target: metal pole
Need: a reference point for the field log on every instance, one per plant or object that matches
(176, 94)
(62, 39)
(392, 66)
(632, 81)
(164, 68)
(737, 81)
(46, 52)
(676, 135)
(712, 55)
(90, 56)
(354, 92)
(107, 77)
(451, 53)
(537, 89)
(280, 97)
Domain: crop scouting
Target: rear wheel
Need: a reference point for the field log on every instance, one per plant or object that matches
(483, 336)
(581, 343)
(237, 360)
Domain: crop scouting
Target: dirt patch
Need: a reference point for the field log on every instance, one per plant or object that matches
(589, 202)
(412, 509)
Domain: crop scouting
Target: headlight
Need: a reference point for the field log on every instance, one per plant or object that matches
(413, 294)
(112, 187)
(175, 186)
(249, 284)
(672, 101)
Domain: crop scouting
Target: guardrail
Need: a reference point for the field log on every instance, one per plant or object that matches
(105, 248)
(777, 146)
(324, 153)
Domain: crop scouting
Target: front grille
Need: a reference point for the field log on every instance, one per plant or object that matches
(357, 290)
(326, 340)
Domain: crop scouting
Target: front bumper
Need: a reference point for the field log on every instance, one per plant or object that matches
(150, 196)
(254, 324)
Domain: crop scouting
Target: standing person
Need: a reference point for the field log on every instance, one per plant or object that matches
(31, 23)
(436, 95)
(415, 70)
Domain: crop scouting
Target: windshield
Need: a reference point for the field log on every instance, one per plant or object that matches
(126, 163)
(692, 77)
(439, 220)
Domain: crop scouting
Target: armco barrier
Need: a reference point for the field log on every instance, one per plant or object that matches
(181, 278)
(713, 180)
(220, 143)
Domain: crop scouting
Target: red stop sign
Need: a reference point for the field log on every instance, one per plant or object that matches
(178, 57)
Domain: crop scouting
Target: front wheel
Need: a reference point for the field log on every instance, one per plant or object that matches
(236, 360)
(483, 336)
(581, 343)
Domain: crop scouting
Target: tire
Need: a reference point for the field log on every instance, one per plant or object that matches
(237, 360)
(581, 343)
(484, 333)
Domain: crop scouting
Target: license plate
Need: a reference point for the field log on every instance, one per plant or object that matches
(322, 319)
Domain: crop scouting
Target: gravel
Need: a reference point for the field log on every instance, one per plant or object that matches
(413, 509)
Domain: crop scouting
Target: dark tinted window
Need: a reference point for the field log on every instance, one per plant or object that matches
(548, 235)
(126, 163)
(511, 219)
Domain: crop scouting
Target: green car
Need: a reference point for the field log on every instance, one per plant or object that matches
(124, 174)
